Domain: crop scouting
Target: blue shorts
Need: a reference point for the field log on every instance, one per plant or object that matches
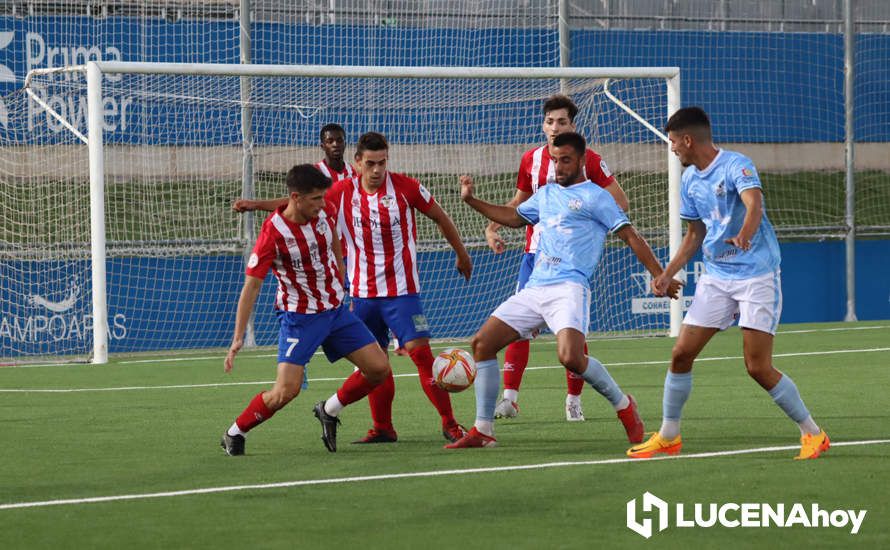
(525, 270)
(337, 331)
(403, 315)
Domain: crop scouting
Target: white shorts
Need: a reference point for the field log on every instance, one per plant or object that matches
(558, 306)
(755, 302)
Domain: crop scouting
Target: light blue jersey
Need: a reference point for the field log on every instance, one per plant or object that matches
(713, 196)
(574, 222)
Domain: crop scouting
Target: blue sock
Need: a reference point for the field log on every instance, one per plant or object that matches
(787, 397)
(599, 378)
(487, 384)
(677, 387)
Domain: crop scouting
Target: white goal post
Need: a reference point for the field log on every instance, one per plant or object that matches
(637, 128)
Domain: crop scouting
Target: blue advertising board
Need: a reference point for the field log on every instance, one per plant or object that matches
(170, 303)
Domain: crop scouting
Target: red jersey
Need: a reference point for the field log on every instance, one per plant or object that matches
(380, 234)
(335, 176)
(302, 259)
(536, 169)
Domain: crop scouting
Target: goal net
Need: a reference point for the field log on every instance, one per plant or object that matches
(178, 148)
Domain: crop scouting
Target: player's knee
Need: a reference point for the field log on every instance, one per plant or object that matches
(572, 360)
(481, 350)
(681, 358)
(378, 370)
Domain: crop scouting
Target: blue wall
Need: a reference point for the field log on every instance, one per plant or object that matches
(794, 79)
(151, 309)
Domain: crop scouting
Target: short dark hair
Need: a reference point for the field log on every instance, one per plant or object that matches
(332, 128)
(560, 101)
(689, 119)
(574, 140)
(306, 178)
(371, 141)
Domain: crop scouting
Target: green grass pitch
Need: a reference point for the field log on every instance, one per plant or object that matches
(152, 425)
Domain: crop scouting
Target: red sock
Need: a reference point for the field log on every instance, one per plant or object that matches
(575, 382)
(423, 358)
(515, 361)
(255, 413)
(380, 400)
(354, 388)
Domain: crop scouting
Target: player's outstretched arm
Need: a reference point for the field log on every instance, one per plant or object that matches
(464, 264)
(644, 254)
(495, 242)
(249, 205)
(692, 241)
(753, 201)
(337, 246)
(504, 215)
(249, 292)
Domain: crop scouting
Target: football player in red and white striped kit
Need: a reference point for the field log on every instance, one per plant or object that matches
(376, 215)
(537, 169)
(300, 243)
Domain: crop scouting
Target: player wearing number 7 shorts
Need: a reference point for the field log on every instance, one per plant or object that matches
(299, 242)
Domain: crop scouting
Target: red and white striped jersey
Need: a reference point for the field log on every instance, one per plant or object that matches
(380, 234)
(536, 169)
(301, 257)
(335, 176)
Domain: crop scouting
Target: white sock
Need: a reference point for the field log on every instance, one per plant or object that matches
(669, 428)
(511, 395)
(808, 426)
(485, 426)
(235, 430)
(621, 405)
(333, 406)
(573, 399)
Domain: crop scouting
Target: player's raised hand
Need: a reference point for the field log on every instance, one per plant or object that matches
(233, 351)
(464, 265)
(243, 205)
(495, 242)
(466, 187)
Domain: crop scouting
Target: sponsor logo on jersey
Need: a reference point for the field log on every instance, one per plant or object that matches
(387, 201)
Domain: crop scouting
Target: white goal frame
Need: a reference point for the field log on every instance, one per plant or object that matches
(96, 69)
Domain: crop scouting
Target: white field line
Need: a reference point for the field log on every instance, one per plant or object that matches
(408, 375)
(247, 354)
(407, 475)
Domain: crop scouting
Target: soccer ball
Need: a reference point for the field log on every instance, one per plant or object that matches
(454, 370)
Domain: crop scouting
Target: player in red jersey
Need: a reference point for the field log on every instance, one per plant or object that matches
(300, 243)
(376, 214)
(537, 169)
(333, 143)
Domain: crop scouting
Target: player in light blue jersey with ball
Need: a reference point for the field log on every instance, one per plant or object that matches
(574, 218)
(721, 199)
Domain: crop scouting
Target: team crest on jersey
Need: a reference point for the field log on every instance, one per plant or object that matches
(356, 202)
(253, 261)
(720, 190)
(605, 168)
(290, 242)
(387, 201)
(575, 204)
(323, 229)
